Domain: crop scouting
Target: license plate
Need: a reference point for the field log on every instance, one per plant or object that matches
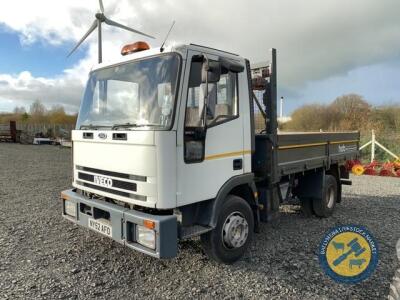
(100, 227)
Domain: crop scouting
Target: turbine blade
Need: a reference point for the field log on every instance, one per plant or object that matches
(113, 23)
(93, 27)
(101, 6)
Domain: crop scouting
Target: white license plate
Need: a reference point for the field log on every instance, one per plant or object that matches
(100, 227)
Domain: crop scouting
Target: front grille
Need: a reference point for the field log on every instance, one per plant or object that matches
(114, 174)
(104, 189)
(109, 184)
(131, 186)
(111, 191)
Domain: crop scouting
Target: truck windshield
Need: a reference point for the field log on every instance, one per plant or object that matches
(135, 95)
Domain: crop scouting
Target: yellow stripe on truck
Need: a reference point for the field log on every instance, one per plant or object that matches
(315, 144)
(227, 154)
(345, 142)
(301, 146)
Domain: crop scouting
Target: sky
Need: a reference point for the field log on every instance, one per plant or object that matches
(325, 48)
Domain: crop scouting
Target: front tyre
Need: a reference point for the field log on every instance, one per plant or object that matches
(228, 241)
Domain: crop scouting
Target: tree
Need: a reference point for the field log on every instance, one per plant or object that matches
(350, 112)
(19, 110)
(57, 109)
(312, 117)
(37, 109)
(38, 112)
(25, 116)
(57, 115)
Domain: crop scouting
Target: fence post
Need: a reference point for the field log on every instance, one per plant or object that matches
(373, 146)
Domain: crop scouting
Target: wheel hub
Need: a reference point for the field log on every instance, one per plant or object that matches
(235, 230)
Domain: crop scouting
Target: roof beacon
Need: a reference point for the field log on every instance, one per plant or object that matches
(135, 47)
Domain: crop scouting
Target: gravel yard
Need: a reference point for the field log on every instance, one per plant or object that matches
(44, 256)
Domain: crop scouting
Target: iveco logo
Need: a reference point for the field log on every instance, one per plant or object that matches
(102, 180)
(102, 135)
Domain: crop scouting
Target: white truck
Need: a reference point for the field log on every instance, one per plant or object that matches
(165, 149)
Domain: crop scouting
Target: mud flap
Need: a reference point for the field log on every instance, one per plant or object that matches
(269, 200)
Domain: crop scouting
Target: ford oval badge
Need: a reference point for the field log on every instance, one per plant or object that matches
(102, 135)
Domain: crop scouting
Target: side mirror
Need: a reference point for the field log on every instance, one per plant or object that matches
(210, 71)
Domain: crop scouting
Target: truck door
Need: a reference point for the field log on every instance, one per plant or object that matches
(206, 162)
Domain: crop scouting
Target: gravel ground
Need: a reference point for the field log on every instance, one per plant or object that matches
(44, 256)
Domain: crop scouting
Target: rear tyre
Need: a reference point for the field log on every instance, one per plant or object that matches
(324, 207)
(228, 241)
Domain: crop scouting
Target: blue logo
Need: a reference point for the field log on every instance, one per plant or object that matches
(348, 253)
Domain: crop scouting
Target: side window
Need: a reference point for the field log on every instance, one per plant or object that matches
(223, 98)
(223, 103)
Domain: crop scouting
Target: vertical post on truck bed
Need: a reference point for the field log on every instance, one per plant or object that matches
(270, 101)
(272, 123)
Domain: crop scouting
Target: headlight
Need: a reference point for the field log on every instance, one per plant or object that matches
(146, 237)
(70, 208)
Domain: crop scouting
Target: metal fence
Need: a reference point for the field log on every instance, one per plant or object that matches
(390, 139)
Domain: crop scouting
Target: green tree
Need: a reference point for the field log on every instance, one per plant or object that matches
(25, 116)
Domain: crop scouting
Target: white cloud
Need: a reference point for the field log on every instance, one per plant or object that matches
(23, 89)
(315, 39)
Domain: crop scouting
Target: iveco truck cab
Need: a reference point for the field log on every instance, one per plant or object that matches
(165, 149)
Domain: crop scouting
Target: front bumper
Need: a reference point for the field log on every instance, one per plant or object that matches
(123, 222)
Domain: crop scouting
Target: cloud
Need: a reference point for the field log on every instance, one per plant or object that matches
(23, 89)
(315, 39)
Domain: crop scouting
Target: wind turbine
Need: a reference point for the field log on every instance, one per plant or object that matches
(100, 18)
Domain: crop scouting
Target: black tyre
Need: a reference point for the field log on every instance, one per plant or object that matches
(228, 241)
(324, 207)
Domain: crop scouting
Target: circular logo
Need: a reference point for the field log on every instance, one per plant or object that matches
(102, 135)
(348, 253)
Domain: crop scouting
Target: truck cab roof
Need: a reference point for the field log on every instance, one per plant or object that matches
(179, 48)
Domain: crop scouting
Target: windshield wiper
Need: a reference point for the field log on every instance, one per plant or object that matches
(149, 124)
(129, 125)
(95, 127)
(125, 125)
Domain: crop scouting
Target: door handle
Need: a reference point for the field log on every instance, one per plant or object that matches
(237, 164)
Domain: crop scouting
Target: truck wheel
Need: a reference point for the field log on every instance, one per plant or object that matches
(324, 207)
(228, 241)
